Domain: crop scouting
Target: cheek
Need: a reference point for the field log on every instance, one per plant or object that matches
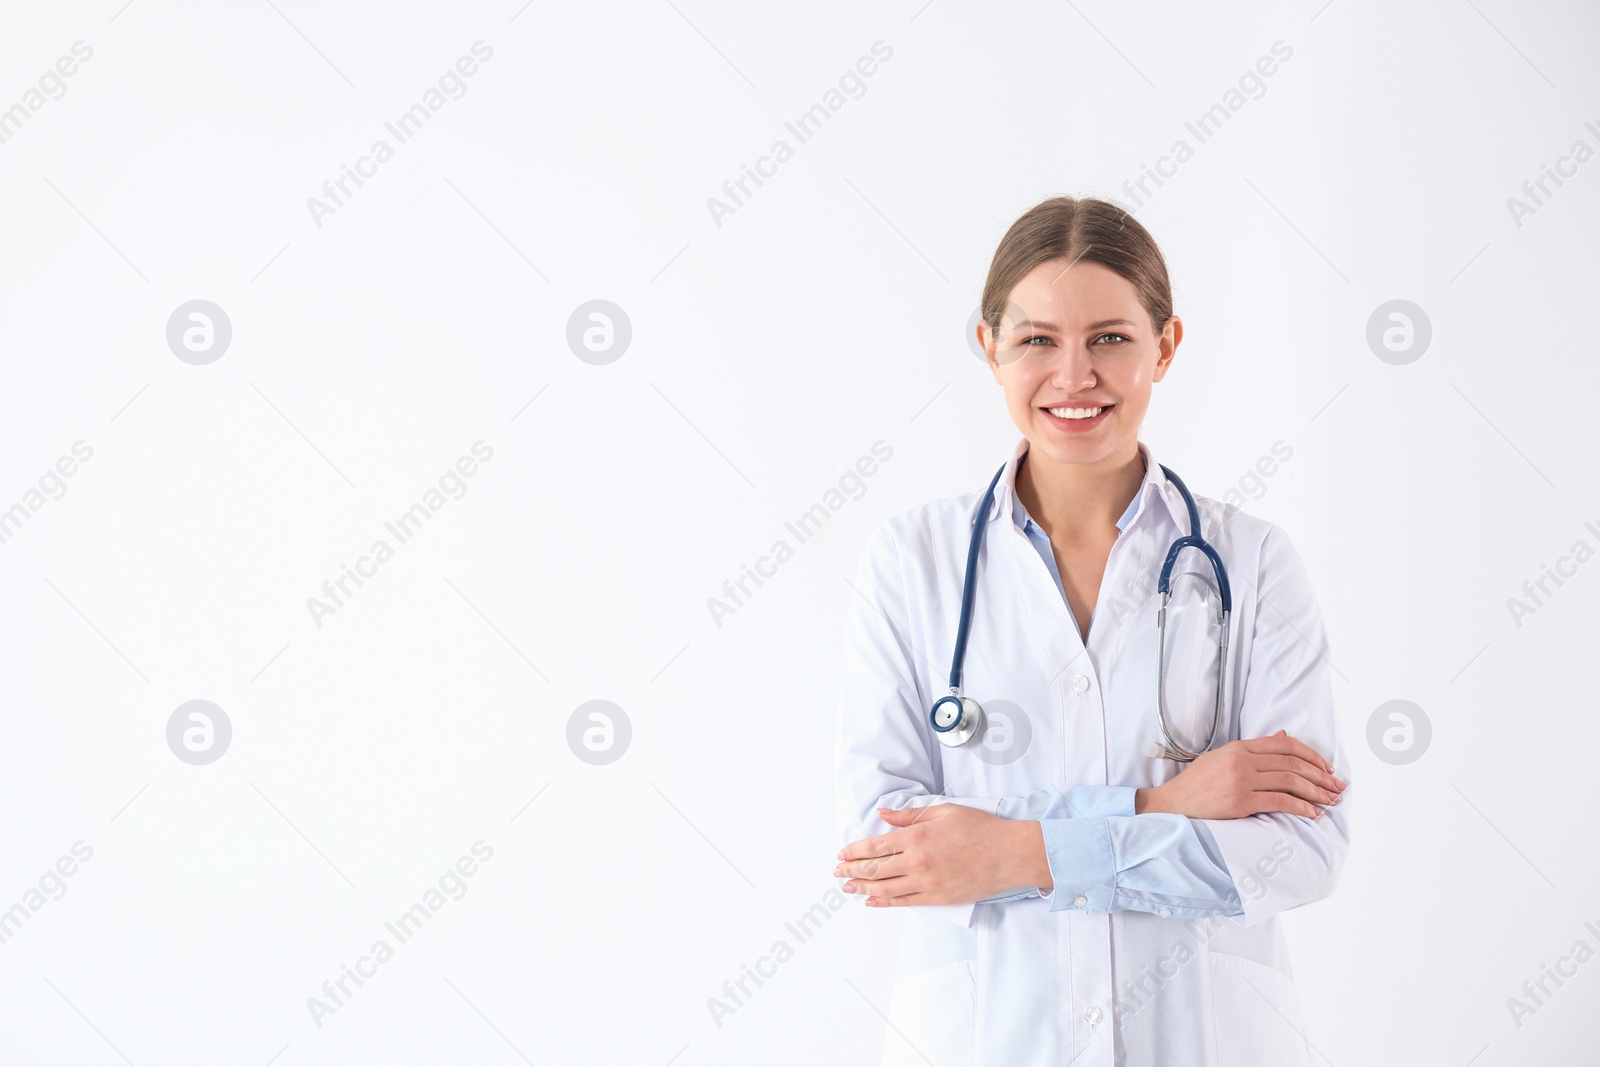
(1136, 405)
(1020, 386)
(1136, 384)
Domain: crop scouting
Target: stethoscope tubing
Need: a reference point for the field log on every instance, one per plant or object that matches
(963, 722)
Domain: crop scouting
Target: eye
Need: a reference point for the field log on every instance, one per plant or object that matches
(1122, 336)
(1035, 337)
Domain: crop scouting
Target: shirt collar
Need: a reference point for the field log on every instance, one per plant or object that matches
(1006, 501)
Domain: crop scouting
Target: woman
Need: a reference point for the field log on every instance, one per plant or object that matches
(1069, 897)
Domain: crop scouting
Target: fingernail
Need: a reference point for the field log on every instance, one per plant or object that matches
(1341, 783)
(1320, 813)
(838, 872)
(840, 856)
(872, 902)
(849, 887)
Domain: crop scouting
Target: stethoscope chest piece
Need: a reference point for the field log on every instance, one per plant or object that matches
(956, 719)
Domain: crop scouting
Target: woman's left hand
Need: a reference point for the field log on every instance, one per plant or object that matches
(945, 854)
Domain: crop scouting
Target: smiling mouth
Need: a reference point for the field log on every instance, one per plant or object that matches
(1079, 412)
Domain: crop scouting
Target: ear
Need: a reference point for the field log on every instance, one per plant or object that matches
(986, 342)
(1171, 335)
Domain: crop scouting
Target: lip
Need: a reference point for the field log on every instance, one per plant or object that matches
(1078, 425)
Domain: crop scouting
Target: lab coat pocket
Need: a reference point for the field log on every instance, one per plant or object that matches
(1256, 1011)
(931, 1015)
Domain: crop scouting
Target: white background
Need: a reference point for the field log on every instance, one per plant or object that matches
(768, 354)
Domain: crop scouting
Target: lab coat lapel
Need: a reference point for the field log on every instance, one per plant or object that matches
(1069, 731)
(1045, 615)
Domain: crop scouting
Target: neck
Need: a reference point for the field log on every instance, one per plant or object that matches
(1078, 501)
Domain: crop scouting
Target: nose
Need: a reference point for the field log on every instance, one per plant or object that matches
(1072, 371)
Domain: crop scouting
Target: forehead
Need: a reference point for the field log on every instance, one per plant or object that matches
(1074, 290)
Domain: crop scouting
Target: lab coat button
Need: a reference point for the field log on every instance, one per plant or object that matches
(1080, 683)
(1094, 1015)
(1079, 901)
(1165, 913)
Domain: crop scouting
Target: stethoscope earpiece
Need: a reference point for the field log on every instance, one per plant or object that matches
(1156, 750)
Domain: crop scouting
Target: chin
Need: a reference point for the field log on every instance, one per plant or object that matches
(1092, 446)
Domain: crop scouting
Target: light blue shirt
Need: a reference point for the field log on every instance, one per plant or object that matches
(1099, 851)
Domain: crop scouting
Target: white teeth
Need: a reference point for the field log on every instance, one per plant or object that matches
(1075, 413)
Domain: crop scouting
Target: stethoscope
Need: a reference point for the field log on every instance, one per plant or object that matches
(957, 719)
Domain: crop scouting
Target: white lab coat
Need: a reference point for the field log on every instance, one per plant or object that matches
(1009, 984)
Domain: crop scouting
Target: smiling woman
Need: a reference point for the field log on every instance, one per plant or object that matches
(1083, 901)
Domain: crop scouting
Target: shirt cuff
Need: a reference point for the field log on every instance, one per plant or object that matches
(1018, 894)
(1083, 866)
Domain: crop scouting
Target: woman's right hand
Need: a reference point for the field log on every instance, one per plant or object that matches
(1244, 778)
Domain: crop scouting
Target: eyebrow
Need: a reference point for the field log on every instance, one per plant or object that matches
(1029, 323)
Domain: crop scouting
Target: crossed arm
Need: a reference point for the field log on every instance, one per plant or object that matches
(1249, 829)
(955, 854)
